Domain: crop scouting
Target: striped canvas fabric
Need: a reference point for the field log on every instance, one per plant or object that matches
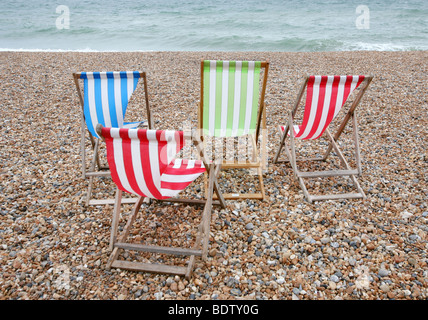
(230, 97)
(325, 96)
(106, 96)
(142, 162)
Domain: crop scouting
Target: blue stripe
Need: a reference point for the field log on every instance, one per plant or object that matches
(124, 91)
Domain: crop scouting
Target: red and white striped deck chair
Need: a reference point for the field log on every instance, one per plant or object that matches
(325, 97)
(105, 100)
(142, 162)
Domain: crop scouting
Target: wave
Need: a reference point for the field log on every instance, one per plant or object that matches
(67, 50)
(190, 25)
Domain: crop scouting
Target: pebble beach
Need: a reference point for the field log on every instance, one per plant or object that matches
(54, 247)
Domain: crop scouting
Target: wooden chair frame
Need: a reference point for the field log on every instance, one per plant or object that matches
(348, 171)
(96, 169)
(256, 162)
(200, 247)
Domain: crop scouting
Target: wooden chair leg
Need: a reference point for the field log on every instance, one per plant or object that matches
(116, 217)
(89, 192)
(92, 169)
(126, 229)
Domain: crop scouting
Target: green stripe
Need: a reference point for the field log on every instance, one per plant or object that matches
(232, 69)
(242, 107)
(256, 89)
(205, 111)
(218, 94)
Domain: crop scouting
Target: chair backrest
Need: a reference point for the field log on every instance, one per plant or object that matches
(230, 97)
(106, 97)
(325, 96)
(142, 161)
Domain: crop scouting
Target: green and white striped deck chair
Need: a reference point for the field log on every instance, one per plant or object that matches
(232, 106)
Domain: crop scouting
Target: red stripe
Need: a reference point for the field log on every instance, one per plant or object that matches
(127, 161)
(360, 79)
(179, 135)
(145, 163)
(162, 150)
(320, 105)
(309, 93)
(199, 164)
(110, 157)
(175, 185)
(347, 89)
(332, 105)
(334, 91)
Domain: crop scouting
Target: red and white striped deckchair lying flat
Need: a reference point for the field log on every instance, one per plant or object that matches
(105, 100)
(142, 162)
(325, 97)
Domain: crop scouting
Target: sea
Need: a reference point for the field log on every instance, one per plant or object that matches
(213, 25)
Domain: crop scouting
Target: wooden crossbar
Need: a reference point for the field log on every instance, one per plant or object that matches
(331, 173)
(158, 249)
(149, 267)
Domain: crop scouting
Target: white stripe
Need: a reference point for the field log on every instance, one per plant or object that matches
(118, 99)
(354, 83)
(114, 133)
(104, 101)
(225, 98)
(340, 92)
(171, 147)
(177, 164)
(191, 164)
(182, 178)
(325, 108)
(169, 193)
(315, 97)
(91, 100)
(130, 82)
(250, 89)
(211, 125)
(154, 157)
(237, 98)
(296, 129)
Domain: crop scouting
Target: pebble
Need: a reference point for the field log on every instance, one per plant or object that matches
(383, 273)
(54, 247)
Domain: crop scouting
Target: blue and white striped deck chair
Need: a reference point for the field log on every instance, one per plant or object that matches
(232, 106)
(105, 100)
